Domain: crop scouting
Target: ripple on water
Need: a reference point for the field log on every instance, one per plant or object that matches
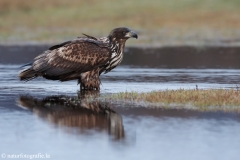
(42, 125)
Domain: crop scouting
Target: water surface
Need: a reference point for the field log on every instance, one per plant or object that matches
(35, 118)
(46, 117)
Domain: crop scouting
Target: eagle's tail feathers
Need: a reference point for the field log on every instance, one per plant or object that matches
(27, 74)
(28, 64)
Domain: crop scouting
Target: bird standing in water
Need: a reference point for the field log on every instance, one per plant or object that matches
(83, 59)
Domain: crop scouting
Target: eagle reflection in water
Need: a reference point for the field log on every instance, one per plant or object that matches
(75, 113)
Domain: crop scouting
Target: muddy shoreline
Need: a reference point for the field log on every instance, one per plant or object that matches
(163, 57)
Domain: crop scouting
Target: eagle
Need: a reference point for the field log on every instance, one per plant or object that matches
(84, 59)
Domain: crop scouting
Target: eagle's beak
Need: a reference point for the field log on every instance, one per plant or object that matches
(131, 34)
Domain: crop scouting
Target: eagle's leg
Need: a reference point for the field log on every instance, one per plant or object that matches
(90, 80)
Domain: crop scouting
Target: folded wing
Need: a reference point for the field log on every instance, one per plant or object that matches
(70, 57)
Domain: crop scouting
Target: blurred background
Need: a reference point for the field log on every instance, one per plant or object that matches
(158, 22)
(190, 44)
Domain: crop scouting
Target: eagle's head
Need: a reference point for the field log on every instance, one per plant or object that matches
(122, 34)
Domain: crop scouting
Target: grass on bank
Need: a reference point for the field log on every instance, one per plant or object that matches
(156, 21)
(205, 100)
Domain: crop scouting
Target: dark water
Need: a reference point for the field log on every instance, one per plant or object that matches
(46, 117)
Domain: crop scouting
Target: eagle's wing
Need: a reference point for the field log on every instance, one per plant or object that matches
(91, 37)
(80, 55)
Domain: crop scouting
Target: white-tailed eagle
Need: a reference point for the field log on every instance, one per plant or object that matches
(84, 59)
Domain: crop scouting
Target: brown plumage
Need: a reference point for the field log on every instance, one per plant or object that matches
(84, 59)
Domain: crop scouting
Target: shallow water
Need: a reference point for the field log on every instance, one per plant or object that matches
(126, 78)
(35, 117)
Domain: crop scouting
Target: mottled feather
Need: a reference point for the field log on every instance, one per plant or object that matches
(84, 58)
(77, 56)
